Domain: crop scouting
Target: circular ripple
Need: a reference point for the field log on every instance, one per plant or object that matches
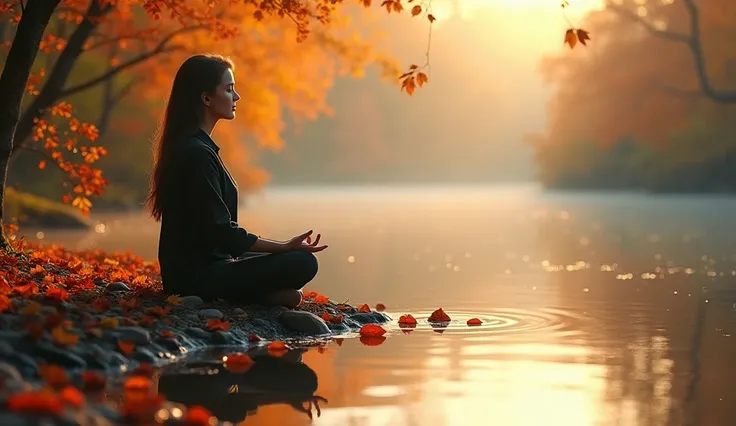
(500, 321)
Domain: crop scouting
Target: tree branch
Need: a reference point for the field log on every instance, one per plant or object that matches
(694, 42)
(160, 48)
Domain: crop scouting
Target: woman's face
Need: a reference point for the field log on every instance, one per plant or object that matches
(221, 103)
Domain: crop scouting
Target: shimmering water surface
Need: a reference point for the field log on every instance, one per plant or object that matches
(597, 309)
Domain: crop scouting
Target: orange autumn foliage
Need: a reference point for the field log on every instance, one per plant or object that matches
(364, 308)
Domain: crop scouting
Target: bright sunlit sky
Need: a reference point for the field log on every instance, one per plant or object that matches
(443, 9)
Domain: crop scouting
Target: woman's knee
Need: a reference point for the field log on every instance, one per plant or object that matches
(305, 265)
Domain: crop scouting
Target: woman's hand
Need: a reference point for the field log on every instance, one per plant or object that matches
(304, 242)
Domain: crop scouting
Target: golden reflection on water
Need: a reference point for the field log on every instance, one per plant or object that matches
(600, 310)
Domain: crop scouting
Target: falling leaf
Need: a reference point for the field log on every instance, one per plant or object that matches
(416, 10)
(42, 164)
(474, 322)
(431, 18)
(372, 330)
(439, 316)
(338, 341)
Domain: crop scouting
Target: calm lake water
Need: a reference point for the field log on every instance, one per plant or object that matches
(598, 309)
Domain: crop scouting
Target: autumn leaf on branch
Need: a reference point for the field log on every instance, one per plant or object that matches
(573, 35)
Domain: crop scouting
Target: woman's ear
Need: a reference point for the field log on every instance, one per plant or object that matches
(206, 99)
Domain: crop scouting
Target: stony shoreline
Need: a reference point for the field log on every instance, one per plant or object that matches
(106, 313)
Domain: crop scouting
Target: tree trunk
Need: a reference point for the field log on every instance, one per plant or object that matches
(58, 76)
(14, 78)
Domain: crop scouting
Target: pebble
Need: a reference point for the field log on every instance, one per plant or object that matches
(136, 335)
(211, 314)
(191, 302)
(304, 322)
(197, 332)
(117, 286)
(220, 337)
(238, 311)
(53, 355)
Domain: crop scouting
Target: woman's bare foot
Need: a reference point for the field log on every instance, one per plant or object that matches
(286, 298)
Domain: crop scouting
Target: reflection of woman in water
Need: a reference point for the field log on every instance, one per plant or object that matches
(202, 249)
(232, 396)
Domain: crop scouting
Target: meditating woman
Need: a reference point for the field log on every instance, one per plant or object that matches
(202, 249)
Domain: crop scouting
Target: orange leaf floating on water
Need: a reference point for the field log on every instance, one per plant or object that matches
(439, 316)
(53, 375)
(408, 321)
(94, 381)
(237, 362)
(126, 347)
(474, 322)
(372, 340)
(373, 330)
(198, 416)
(137, 383)
(167, 334)
(216, 324)
(72, 396)
(277, 348)
(252, 337)
(35, 403)
(57, 294)
(380, 307)
(147, 321)
(338, 341)
(321, 300)
(364, 308)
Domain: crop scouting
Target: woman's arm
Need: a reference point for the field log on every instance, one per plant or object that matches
(263, 245)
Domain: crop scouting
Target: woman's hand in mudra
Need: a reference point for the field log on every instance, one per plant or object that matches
(305, 242)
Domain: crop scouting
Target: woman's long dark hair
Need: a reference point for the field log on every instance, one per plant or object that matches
(183, 115)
